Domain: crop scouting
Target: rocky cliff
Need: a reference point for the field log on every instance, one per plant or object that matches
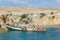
(46, 20)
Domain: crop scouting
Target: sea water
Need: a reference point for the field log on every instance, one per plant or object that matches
(50, 34)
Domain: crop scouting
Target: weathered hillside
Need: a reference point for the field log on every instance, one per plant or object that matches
(46, 20)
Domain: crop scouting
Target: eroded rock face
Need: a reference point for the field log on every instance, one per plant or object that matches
(37, 21)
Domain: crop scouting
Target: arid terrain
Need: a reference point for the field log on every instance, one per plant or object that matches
(48, 19)
(16, 10)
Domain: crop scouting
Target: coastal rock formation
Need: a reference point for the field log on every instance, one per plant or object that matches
(46, 20)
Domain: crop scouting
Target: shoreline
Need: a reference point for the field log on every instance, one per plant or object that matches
(45, 26)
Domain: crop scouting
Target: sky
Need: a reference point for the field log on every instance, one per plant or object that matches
(31, 3)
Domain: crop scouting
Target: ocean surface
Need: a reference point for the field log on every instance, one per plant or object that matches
(51, 34)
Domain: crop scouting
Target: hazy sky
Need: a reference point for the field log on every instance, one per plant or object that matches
(31, 3)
